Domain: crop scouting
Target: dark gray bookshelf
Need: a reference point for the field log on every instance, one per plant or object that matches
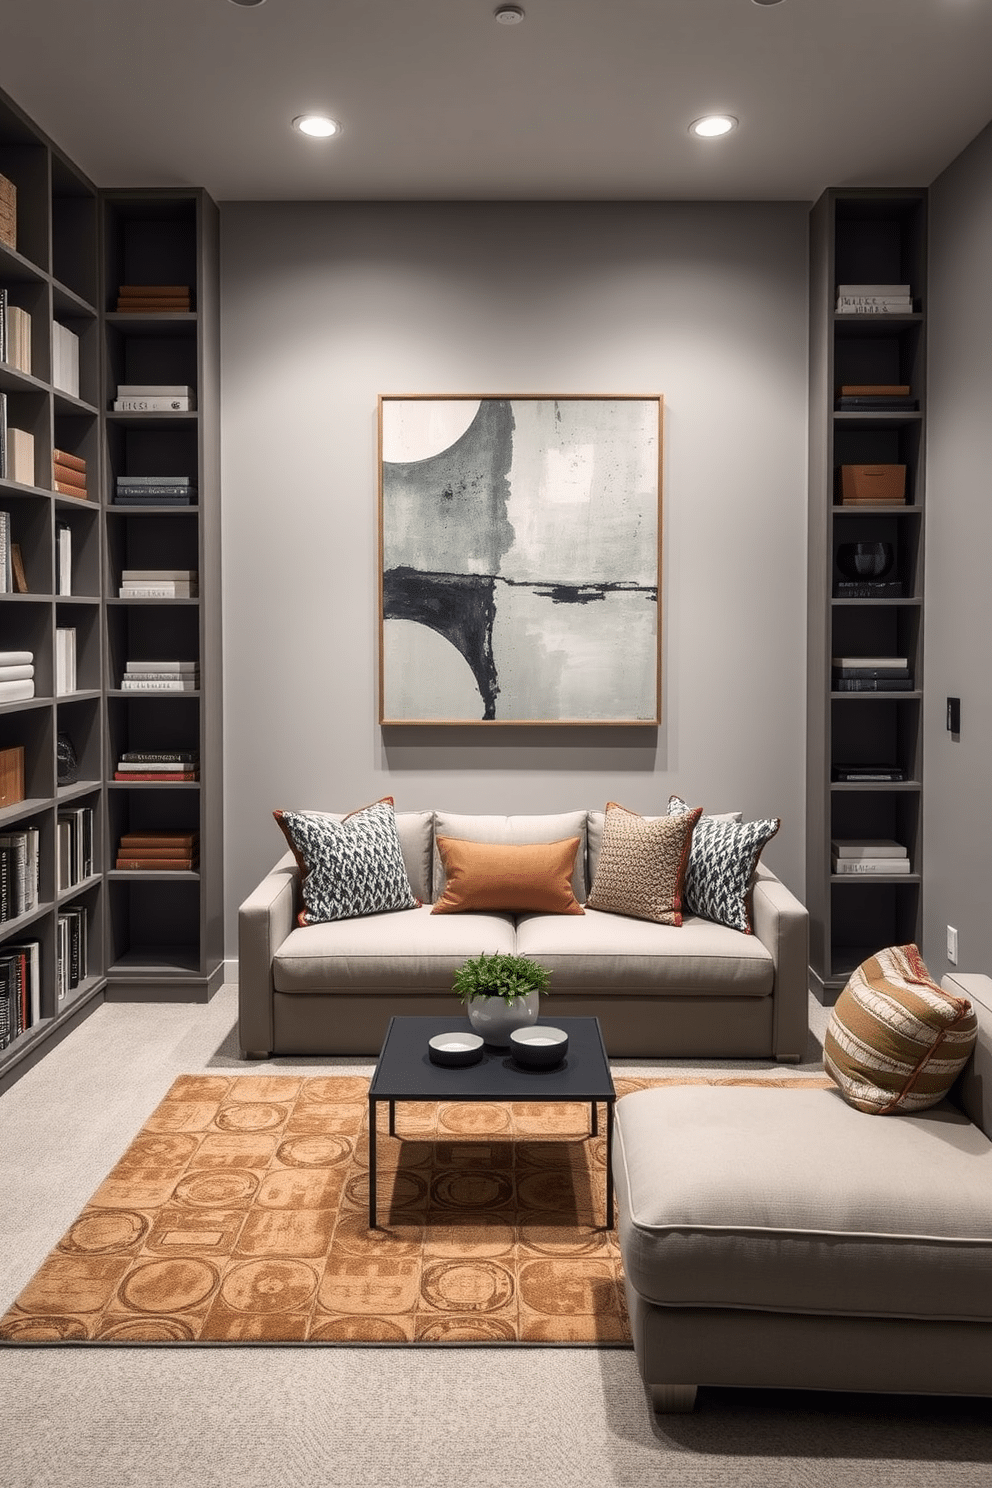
(864, 237)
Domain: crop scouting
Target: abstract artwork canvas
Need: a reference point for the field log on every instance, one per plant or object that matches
(520, 544)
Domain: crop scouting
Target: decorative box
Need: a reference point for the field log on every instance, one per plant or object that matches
(873, 485)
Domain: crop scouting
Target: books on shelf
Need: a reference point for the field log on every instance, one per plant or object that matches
(164, 851)
(12, 773)
(874, 299)
(65, 359)
(154, 490)
(877, 774)
(868, 856)
(159, 767)
(165, 583)
(154, 398)
(20, 989)
(15, 334)
(63, 558)
(65, 660)
(868, 589)
(19, 869)
(8, 213)
(69, 474)
(871, 674)
(73, 846)
(152, 299)
(161, 676)
(71, 951)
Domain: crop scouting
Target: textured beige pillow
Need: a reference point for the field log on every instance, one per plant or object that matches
(896, 1042)
(514, 877)
(642, 862)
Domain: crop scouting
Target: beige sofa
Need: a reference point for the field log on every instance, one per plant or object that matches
(782, 1238)
(699, 990)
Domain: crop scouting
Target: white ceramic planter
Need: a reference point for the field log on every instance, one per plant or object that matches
(495, 1018)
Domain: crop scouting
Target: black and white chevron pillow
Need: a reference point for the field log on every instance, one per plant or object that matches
(722, 860)
(349, 867)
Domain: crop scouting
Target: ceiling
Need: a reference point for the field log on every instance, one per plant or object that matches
(585, 100)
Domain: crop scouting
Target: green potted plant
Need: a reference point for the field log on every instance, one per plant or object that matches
(501, 993)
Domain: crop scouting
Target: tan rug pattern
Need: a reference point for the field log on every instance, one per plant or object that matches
(239, 1214)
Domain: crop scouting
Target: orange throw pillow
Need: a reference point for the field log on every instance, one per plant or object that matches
(513, 877)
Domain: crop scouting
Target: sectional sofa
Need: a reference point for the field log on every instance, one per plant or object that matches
(697, 990)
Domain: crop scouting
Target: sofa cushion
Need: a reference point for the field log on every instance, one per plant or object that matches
(515, 829)
(596, 821)
(722, 860)
(599, 953)
(504, 876)
(410, 951)
(642, 864)
(349, 866)
(790, 1200)
(896, 1041)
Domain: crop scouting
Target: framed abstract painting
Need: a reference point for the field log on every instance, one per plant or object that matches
(520, 559)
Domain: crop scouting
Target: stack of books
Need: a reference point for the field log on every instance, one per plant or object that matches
(65, 359)
(153, 852)
(65, 660)
(63, 558)
(153, 299)
(871, 674)
(73, 846)
(868, 774)
(161, 676)
(15, 334)
(158, 766)
(19, 873)
(69, 474)
(154, 397)
(874, 299)
(154, 490)
(158, 583)
(876, 397)
(20, 989)
(70, 950)
(16, 676)
(8, 213)
(868, 855)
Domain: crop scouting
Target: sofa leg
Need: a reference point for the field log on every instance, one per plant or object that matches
(253, 1054)
(667, 1400)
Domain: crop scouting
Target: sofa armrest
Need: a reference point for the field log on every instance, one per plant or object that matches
(264, 920)
(972, 1090)
(781, 923)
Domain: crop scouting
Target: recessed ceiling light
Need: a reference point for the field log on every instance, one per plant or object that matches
(713, 125)
(317, 126)
(508, 15)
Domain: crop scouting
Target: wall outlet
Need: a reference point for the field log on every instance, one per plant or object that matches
(952, 945)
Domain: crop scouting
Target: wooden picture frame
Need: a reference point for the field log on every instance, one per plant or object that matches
(520, 559)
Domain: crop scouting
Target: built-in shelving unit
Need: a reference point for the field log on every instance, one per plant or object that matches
(864, 237)
(154, 935)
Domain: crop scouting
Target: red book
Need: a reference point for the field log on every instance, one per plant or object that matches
(73, 462)
(170, 865)
(156, 775)
(69, 474)
(67, 490)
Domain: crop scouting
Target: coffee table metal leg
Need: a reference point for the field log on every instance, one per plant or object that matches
(609, 1165)
(372, 1218)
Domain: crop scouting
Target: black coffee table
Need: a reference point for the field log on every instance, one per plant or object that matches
(405, 1072)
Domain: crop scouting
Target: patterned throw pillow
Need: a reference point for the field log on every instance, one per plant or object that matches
(642, 864)
(351, 867)
(722, 861)
(896, 1041)
(515, 877)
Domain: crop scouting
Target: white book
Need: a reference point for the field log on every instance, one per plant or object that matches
(873, 289)
(867, 847)
(154, 389)
(153, 404)
(870, 661)
(65, 358)
(18, 338)
(852, 867)
(163, 666)
(162, 676)
(158, 591)
(157, 575)
(20, 456)
(151, 767)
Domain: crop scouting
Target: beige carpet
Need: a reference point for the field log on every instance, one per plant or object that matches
(239, 1214)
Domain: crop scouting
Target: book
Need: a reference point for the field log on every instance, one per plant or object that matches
(30, 953)
(154, 389)
(870, 661)
(157, 575)
(68, 474)
(867, 847)
(877, 405)
(163, 666)
(873, 684)
(8, 213)
(868, 774)
(159, 777)
(20, 456)
(65, 359)
(868, 589)
(66, 490)
(137, 684)
(11, 775)
(850, 867)
(18, 574)
(877, 305)
(63, 558)
(154, 480)
(873, 289)
(134, 843)
(161, 676)
(71, 462)
(152, 404)
(879, 672)
(142, 756)
(169, 590)
(65, 660)
(17, 338)
(6, 557)
(159, 865)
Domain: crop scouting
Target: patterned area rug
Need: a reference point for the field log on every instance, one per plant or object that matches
(239, 1214)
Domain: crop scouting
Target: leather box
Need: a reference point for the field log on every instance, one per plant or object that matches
(873, 485)
(11, 775)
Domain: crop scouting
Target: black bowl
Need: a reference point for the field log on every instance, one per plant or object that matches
(539, 1047)
(865, 560)
(455, 1049)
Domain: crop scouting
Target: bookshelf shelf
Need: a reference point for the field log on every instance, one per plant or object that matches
(864, 237)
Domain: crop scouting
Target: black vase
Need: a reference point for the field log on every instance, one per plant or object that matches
(865, 560)
(66, 763)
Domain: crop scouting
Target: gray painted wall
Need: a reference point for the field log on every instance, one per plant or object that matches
(324, 306)
(957, 862)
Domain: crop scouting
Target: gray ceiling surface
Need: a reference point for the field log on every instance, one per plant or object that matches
(584, 100)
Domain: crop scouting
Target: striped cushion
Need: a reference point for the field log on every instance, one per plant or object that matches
(642, 864)
(896, 1041)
